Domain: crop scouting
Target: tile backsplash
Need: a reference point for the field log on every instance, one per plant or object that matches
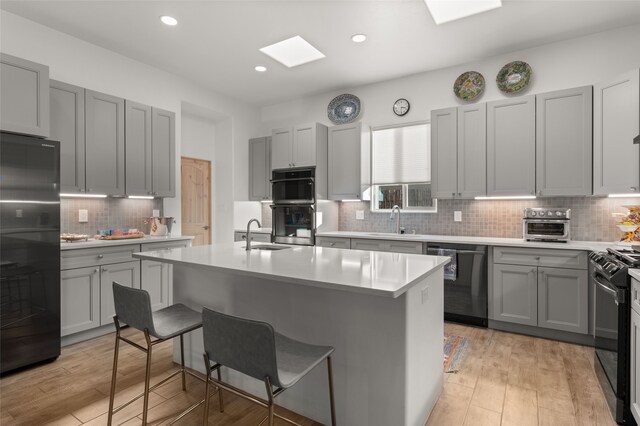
(591, 218)
(106, 213)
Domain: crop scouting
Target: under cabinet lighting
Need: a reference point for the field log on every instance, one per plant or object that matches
(140, 197)
(266, 201)
(293, 51)
(84, 195)
(28, 202)
(634, 195)
(351, 201)
(516, 197)
(450, 10)
(169, 20)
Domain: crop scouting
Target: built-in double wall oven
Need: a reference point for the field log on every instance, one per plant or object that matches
(294, 206)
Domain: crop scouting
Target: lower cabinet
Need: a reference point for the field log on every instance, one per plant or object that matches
(343, 243)
(255, 237)
(127, 274)
(412, 247)
(537, 295)
(156, 279)
(79, 300)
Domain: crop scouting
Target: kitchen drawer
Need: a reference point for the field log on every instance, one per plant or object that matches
(635, 295)
(80, 258)
(255, 237)
(166, 245)
(387, 245)
(343, 243)
(555, 258)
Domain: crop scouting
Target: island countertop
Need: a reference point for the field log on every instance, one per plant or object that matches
(366, 272)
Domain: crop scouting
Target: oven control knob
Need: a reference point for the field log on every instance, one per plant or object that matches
(610, 267)
(534, 214)
(549, 213)
(541, 213)
(559, 213)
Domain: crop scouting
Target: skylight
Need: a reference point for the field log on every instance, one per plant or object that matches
(449, 10)
(293, 52)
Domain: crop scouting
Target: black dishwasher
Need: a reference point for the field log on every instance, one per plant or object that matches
(465, 282)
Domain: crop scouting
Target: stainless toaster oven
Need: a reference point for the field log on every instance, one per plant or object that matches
(546, 224)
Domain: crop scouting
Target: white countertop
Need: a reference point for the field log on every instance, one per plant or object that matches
(108, 243)
(635, 273)
(508, 242)
(255, 230)
(367, 272)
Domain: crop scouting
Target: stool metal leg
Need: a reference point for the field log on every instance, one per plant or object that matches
(220, 392)
(114, 372)
(184, 380)
(207, 365)
(147, 378)
(267, 383)
(331, 397)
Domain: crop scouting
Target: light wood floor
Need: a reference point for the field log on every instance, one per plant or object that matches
(506, 379)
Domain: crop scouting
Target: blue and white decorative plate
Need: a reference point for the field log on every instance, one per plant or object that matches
(343, 109)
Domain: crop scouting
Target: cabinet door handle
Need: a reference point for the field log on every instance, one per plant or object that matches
(537, 257)
(453, 194)
(100, 256)
(459, 194)
(332, 244)
(95, 271)
(104, 269)
(633, 188)
(533, 270)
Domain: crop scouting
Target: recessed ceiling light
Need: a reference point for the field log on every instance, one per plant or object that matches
(358, 38)
(169, 20)
(449, 10)
(260, 68)
(293, 52)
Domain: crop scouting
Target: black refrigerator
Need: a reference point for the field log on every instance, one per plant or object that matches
(29, 251)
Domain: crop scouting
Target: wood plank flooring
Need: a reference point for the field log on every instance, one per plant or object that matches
(506, 379)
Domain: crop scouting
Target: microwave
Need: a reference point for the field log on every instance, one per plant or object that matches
(293, 186)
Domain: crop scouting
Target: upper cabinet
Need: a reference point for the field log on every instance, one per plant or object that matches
(511, 147)
(104, 153)
(299, 146)
(25, 96)
(163, 133)
(564, 141)
(138, 155)
(459, 151)
(260, 168)
(67, 126)
(348, 163)
(616, 112)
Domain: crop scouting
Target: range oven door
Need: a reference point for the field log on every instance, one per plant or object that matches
(611, 334)
(293, 224)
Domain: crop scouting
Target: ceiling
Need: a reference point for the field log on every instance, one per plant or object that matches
(215, 43)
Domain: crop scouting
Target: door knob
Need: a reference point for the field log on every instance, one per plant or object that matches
(205, 227)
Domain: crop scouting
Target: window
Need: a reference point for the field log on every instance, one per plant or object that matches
(401, 168)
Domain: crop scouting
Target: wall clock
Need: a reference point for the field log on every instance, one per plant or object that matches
(401, 107)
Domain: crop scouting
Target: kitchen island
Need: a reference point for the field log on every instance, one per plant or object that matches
(383, 312)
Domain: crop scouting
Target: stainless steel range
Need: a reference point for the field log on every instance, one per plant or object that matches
(546, 224)
(611, 288)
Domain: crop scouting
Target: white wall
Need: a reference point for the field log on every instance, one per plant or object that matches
(77, 62)
(561, 65)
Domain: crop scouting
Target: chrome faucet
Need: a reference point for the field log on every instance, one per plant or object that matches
(394, 208)
(248, 246)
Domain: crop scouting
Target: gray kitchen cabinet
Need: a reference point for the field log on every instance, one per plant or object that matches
(79, 300)
(163, 133)
(511, 147)
(303, 145)
(156, 280)
(444, 153)
(138, 149)
(259, 237)
(459, 151)
(616, 115)
(563, 299)
(343, 243)
(127, 274)
(260, 168)
(25, 96)
(281, 148)
(515, 294)
(546, 288)
(564, 142)
(412, 247)
(104, 143)
(67, 126)
(348, 162)
(634, 379)
(80, 258)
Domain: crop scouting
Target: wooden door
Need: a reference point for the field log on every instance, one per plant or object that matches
(196, 199)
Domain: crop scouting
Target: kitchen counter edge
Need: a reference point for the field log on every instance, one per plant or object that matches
(92, 243)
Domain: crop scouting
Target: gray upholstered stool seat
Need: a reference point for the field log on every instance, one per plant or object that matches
(133, 307)
(255, 349)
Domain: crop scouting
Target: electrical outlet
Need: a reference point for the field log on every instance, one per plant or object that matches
(83, 216)
(156, 213)
(457, 216)
(18, 213)
(360, 214)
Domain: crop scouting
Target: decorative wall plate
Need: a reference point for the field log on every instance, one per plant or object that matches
(469, 85)
(514, 77)
(343, 109)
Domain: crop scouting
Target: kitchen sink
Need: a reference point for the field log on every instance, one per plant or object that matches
(265, 247)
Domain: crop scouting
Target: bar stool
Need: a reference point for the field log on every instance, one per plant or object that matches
(255, 349)
(133, 307)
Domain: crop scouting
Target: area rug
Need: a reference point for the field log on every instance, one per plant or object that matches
(455, 349)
